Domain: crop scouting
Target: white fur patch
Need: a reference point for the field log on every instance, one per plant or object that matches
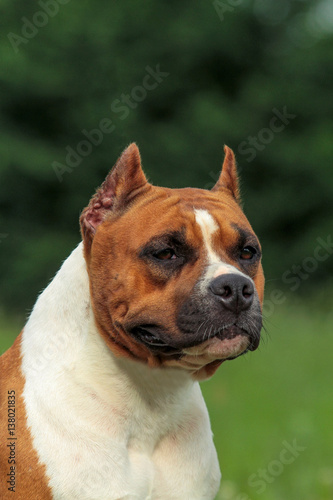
(216, 266)
(109, 428)
(208, 227)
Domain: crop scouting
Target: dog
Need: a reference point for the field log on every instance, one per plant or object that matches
(100, 395)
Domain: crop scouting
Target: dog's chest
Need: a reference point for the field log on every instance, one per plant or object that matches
(124, 440)
(108, 428)
(133, 455)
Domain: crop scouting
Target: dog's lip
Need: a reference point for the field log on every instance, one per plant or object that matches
(150, 335)
(233, 330)
(216, 349)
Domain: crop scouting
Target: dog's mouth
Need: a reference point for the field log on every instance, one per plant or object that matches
(149, 336)
(234, 330)
(152, 337)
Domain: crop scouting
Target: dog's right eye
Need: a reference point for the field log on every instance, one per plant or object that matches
(165, 254)
(248, 253)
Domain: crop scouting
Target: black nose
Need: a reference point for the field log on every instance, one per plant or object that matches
(234, 291)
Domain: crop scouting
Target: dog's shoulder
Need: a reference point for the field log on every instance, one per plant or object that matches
(18, 458)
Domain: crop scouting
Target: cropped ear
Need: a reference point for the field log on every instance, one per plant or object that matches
(228, 178)
(125, 181)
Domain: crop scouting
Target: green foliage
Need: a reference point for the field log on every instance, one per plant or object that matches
(229, 65)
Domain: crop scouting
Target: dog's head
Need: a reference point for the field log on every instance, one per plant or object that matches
(175, 274)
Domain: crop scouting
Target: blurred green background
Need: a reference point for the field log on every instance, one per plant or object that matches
(81, 80)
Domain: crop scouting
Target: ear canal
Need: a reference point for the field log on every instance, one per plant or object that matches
(228, 178)
(125, 181)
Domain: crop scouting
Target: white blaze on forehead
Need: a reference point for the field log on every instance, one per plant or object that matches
(208, 226)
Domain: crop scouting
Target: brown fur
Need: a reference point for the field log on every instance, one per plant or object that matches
(229, 179)
(112, 238)
(124, 288)
(31, 481)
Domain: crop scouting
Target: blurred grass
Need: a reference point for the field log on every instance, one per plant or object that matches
(282, 392)
(10, 327)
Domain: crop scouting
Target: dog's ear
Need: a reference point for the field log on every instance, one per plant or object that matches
(228, 178)
(125, 181)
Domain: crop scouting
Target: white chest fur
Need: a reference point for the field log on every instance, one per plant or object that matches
(108, 428)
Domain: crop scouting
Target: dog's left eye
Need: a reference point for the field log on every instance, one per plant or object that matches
(165, 254)
(248, 253)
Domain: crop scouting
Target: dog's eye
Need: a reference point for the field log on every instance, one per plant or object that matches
(165, 254)
(248, 253)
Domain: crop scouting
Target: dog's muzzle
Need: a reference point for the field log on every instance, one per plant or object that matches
(229, 309)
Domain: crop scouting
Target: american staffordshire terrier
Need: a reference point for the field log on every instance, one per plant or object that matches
(100, 396)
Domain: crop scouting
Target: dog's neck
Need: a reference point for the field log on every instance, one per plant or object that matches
(106, 426)
(61, 343)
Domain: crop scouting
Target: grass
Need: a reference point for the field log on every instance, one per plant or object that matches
(9, 329)
(280, 394)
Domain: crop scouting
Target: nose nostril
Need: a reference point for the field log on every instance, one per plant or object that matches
(227, 292)
(247, 291)
(234, 292)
